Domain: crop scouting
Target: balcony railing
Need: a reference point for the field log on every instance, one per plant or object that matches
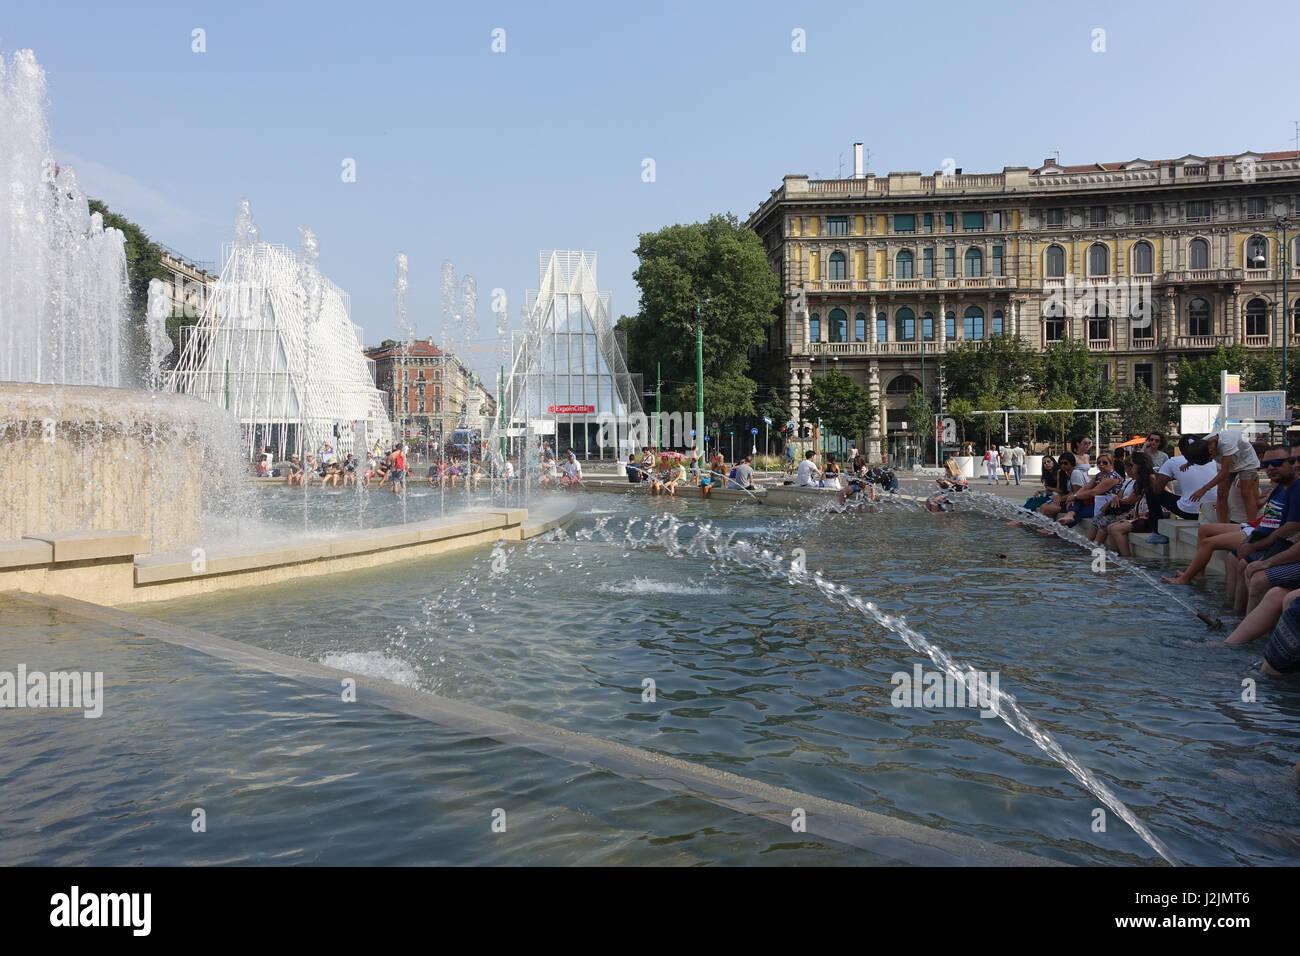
(1258, 341)
(876, 348)
(1200, 341)
(1258, 274)
(1136, 343)
(927, 284)
(1204, 275)
(1099, 345)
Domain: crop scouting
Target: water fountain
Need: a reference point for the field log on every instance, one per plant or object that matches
(81, 442)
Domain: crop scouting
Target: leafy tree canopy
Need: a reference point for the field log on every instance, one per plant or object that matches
(1000, 366)
(840, 404)
(718, 267)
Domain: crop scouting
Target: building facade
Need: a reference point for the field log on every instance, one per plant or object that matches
(430, 392)
(1148, 261)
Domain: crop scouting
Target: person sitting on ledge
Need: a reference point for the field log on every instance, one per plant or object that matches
(1080, 502)
(809, 476)
(633, 469)
(572, 473)
(295, 471)
(676, 477)
(744, 476)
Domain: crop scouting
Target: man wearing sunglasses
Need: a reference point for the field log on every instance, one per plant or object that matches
(1155, 447)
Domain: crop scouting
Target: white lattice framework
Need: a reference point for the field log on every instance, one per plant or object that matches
(568, 354)
(282, 373)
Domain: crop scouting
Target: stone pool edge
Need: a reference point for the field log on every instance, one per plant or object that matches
(841, 823)
(110, 568)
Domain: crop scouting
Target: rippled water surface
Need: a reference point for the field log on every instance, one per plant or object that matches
(770, 679)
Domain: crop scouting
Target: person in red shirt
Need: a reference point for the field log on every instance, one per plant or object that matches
(398, 474)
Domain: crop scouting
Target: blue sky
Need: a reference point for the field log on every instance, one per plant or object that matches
(486, 158)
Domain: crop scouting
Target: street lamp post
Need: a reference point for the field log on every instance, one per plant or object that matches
(1282, 222)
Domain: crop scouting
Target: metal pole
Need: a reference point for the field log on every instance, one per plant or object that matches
(1286, 320)
(658, 403)
(699, 371)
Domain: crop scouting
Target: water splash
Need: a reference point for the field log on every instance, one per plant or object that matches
(663, 532)
(309, 276)
(246, 232)
(63, 282)
(160, 345)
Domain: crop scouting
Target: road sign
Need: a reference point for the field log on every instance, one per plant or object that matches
(766, 420)
(753, 431)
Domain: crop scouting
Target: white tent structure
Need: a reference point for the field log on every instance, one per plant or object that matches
(276, 347)
(567, 369)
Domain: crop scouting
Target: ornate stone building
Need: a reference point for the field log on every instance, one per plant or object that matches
(430, 392)
(1147, 261)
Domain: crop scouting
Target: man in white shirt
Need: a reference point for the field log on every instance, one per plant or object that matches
(572, 472)
(1238, 471)
(1189, 479)
(809, 476)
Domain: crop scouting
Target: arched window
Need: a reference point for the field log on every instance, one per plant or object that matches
(902, 385)
(974, 263)
(1098, 260)
(814, 328)
(882, 327)
(860, 327)
(903, 265)
(927, 327)
(973, 323)
(1142, 259)
(1257, 317)
(950, 325)
(1055, 262)
(1099, 323)
(837, 267)
(1198, 255)
(1054, 321)
(1256, 253)
(1199, 320)
(839, 325)
(904, 325)
(997, 321)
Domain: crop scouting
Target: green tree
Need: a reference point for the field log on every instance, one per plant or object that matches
(1140, 412)
(720, 268)
(1000, 366)
(1199, 381)
(1070, 369)
(963, 412)
(840, 404)
(1059, 422)
(920, 418)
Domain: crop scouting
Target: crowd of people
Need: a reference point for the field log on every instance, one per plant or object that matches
(1214, 481)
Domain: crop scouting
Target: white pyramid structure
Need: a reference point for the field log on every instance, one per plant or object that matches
(568, 357)
(293, 377)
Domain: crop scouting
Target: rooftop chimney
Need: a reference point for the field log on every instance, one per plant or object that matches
(857, 161)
